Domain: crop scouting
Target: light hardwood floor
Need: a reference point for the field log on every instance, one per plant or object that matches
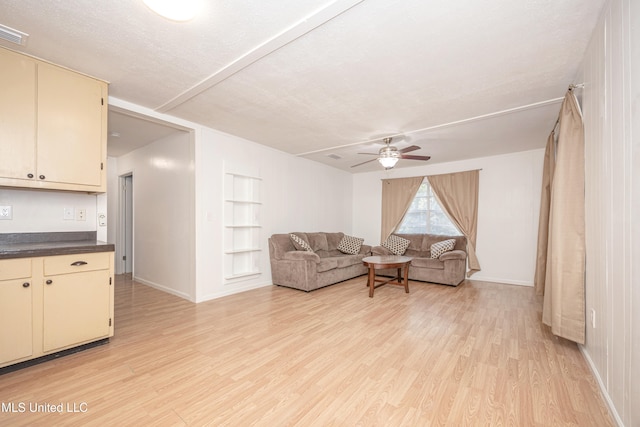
(472, 355)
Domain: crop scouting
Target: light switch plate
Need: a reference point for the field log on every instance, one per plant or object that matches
(6, 212)
(69, 214)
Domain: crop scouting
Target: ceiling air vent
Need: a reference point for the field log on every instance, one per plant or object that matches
(334, 156)
(13, 36)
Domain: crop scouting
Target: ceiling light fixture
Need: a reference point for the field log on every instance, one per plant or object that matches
(175, 10)
(389, 156)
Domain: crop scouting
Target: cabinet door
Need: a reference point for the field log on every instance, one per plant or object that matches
(76, 309)
(70, 127)
(16, 332)
(17, 115)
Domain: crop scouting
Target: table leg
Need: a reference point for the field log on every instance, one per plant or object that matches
(406, 278)
(372, 280)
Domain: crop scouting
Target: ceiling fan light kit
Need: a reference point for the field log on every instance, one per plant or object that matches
(389, 155)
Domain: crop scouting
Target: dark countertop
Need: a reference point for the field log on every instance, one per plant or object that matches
(27, 245)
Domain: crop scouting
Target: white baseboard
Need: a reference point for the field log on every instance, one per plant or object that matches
(603, 390)
(165, 289)
(500, 280)
(230, 290)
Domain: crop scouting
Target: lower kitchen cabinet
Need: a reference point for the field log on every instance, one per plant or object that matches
(76, 309)
(16, 310)
(57, 303)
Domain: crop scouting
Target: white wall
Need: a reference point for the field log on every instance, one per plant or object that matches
(111, 202)
(42, 211)
(297, 195)
(508, 210)
(163, 213)
(610, 101)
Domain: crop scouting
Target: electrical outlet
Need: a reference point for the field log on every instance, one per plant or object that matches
(6, 212)
(81, 214)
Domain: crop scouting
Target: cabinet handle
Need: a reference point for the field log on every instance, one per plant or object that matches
(25, 285)
(29, 175)
(48, 282)
(77, 263)
(41, 176)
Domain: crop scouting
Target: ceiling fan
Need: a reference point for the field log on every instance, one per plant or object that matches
(389, 155)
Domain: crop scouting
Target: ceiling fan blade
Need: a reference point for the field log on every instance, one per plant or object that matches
(368, 161)
(370, 154)
(410, 148)
(410, 157)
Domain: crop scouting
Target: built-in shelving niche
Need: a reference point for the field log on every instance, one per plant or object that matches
(242, 227)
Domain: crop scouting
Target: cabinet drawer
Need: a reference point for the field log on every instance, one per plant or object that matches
(64, 264)
(15, 268)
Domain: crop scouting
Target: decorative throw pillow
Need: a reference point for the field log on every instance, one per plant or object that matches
(396, 244)
(300, 243)
(439, 248)
(350, 245)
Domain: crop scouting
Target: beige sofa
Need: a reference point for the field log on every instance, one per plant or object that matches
(307, 271)
(448, 269)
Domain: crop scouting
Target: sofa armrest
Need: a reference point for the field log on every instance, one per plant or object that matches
(301, 256)
(456, 254)
(380, 250)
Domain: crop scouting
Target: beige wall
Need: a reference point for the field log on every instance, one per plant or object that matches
(612, 133)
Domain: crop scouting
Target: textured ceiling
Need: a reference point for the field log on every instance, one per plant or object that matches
(459, 78)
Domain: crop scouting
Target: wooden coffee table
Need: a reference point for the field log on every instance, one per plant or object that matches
(387, 261)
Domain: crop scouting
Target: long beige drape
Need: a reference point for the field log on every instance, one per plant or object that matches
(564, 270)
(543, 220)
(457, 194)
(397, 195)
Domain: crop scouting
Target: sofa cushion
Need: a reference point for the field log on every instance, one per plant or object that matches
(396, 244)
(300, 243)
(439, 248)
(318, 241)
(333, 239)
(326, 264)
(427, 263)
(430, 239)
(419, 254)
(350, 245)
(348, 260)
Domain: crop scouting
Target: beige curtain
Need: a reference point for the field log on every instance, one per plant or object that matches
(397, 195)
(457, 193)
(543, 220)
(564, 296)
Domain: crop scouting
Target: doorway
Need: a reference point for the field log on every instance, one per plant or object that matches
(126, 223)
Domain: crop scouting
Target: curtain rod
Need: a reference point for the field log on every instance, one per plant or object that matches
(572, 86)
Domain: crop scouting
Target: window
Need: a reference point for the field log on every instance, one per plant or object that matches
(426, 216)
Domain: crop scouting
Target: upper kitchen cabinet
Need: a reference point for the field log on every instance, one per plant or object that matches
(53, 126)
